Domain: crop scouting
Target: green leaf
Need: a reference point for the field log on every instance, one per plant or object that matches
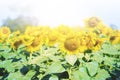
(8, 55)
(15, 76)
(53, 77)
(92, 68)
(110, 49)
(5, 63)
(108, 61)
(38, 60)
(97, 57)
(29, 75)
(118, 63)
(19, 76)
(13, 66)
(102, 75)
(81, 74)
(4, 48)
(56, 67)
(51, 50)
(71, 59)
(55, 58)
(77, 75)
(21, 48)
(10, 66)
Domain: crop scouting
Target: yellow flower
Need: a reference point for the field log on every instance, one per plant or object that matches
(16, 33)
(105, 29)
(82, 41)
(88, 39)
(52, 38)
(27, 40)
(64, 30)
(98, 44)
(35, 45)
(115, 37)
(16, 42)
(70, 45)
(31, 30)
(4, 33)
(92, 22)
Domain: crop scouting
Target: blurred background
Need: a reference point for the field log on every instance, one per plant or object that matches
(56, 12)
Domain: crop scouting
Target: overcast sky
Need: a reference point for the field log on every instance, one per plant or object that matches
(68, 12)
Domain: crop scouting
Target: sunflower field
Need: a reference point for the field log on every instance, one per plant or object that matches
(91, 52)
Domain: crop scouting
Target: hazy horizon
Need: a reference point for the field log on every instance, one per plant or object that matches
(68, 12)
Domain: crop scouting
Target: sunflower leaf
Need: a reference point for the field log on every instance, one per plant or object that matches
(81, 74)
(71, 59)
(53, 77)
(92, 68)
(56, 67)
(102, 75)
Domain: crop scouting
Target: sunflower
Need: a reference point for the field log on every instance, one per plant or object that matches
(104, 29)
(70, 45)
(16, 33)
(98, 44)
(35, 45)
(27, 40)
(92, 22)
(82, 41)
(115, 37)
(31, 30)
(64, 30)
(52, 38)
(4, 33)
(16, 42)
(87, 41)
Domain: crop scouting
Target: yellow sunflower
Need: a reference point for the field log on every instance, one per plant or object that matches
(98, 44)
(4, 33)
(104, 29)
(27, 40)
(63, 30)
(52, 38)
(30, 30)
(115, 37)
(82, 41)
(35, 45)
(16, 42)
(16, 33)
(89, 39)
(92, 22)
(70, 45)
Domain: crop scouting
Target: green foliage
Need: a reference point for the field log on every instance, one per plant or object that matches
(71, 59)
(81, 74)
(92, 68)
(51, 64)
(56, 67)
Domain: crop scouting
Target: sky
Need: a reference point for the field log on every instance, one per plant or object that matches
(67, 12)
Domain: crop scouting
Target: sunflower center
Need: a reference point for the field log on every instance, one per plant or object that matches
(5, 31)
(112, 38)
(17, 43)
(71, 44)
(35, 43)
(93, 22)
(52, 38)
